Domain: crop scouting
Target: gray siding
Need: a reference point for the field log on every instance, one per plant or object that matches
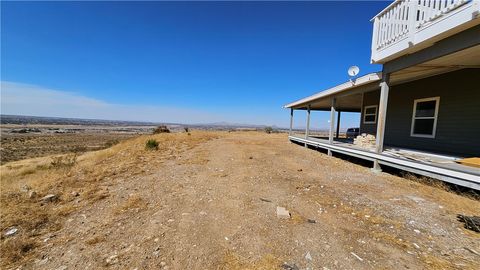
(458, 123)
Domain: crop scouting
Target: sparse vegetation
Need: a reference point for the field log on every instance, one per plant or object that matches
(186, 129)
(133, 202)
(466, 192)
(111, 143)
(16, 249)
(151, 144)
(156, 200)
(37, 220)
(79, 149)
(268, 129)
(161, 129)
(95, 240)
(20, 146)
(64, 161)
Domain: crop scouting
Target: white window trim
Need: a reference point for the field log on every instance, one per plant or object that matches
(435, 117)
(365, 114)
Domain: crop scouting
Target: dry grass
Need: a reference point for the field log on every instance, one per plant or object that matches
(134, 202)
(113, 184)
(21, 146)
(18, 248)
(66, 174)
(438, 184)
(426, 181)
(96, 240)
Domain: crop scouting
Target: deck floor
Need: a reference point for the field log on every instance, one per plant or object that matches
(440, 161)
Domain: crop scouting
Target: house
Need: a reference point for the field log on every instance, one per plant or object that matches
(423, 109)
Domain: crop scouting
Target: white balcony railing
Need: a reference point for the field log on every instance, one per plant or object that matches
(403, 20)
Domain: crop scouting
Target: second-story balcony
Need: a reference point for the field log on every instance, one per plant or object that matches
(408, 26)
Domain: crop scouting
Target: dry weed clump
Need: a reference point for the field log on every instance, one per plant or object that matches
(15, 249)
(95, 240)
(426, 180)
(465, 192)
(235, 261)
(64, 161)
(161, 129)
(134, 202)
(111, 143)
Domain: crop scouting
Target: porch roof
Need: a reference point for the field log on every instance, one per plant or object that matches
(349, 94)
(320, 100)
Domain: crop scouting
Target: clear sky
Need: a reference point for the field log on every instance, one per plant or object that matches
(190, 62)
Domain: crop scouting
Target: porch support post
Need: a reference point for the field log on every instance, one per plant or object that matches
(332, 124)
(338, 124)
(307, 128)
(291, 122)
(382, 113)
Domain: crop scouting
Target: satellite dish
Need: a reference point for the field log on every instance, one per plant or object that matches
(353, 71)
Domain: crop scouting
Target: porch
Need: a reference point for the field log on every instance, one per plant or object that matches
(407, 26)
(418, 155)
(441, 167)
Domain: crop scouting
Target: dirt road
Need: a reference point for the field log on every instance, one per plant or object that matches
(212, 205)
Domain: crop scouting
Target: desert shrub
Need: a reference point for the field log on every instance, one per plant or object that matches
(161, 129)
(268, 130)
(151, 144)
(186, 129)
(79, 149)
(111, 143)
(65, 161)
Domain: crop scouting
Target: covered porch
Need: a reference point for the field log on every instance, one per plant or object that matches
(441, 167)
(349, 97)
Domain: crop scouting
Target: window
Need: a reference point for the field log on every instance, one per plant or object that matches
(424, 119)
(370, 114)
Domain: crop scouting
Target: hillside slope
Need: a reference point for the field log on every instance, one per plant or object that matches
(208, 201)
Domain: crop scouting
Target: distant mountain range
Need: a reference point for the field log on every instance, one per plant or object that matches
(24, 119)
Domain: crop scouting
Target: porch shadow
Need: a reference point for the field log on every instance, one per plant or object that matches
(410, 176)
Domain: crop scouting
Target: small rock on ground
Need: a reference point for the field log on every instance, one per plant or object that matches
(282, 213)
(11, 232)
(50, 198)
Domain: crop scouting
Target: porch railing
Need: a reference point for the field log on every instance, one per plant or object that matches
(404, 18)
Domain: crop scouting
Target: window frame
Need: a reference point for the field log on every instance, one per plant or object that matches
(365, 114)
(434, 117)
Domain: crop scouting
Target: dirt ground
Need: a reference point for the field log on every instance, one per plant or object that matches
(208, 201)
(29, 146)
(29, 141)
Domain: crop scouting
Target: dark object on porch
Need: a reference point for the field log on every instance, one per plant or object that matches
(161, 129)
(353, 132)
(471, 223)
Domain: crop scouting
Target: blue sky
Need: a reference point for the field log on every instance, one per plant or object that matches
(191, 62)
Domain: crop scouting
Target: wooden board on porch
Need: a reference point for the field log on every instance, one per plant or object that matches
(474, 162)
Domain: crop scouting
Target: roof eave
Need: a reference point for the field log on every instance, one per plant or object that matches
(368, 78)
